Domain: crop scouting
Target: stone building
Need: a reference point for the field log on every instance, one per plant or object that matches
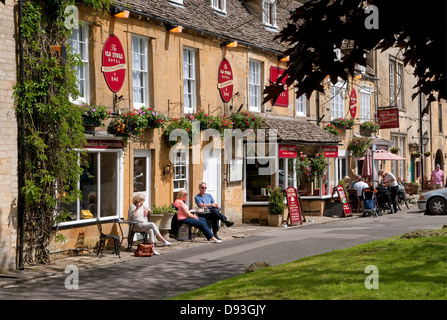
(8, 137)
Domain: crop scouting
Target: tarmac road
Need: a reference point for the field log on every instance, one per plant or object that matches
(179, 271)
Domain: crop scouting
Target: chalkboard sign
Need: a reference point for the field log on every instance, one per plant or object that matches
(343, 199)
(293, 203)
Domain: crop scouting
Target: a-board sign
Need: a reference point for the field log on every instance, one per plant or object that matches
(343, 199)
(293, 203)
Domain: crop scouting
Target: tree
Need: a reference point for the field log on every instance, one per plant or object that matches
(357, 27)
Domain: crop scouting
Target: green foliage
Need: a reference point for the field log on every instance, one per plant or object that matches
(276, 200)
(342, 123)
(332, 129)
(245, 120)
(358, 146)
(94, 114)
(162, 209)
(54, 133)
(182, 129)
(369, 126)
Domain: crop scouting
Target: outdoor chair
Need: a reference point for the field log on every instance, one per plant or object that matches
(354, 201)
(131, 235)
(104, 237)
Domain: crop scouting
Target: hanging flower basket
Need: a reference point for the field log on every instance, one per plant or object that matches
(416, 154)
(332, 129)
(427, 154)
(369, 126)
(93, 115)
(394, 150)
(343, 124)
(358, 146)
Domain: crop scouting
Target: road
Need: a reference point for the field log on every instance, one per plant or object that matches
(185, 270)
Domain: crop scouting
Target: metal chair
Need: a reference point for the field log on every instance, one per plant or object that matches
(131, 235)
(104, 237)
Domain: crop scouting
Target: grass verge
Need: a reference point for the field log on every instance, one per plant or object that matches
(408, 267)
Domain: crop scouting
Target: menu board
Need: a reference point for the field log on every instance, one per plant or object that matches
(293, 203)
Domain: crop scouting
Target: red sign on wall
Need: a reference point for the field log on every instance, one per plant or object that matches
(352, 103)
(388, 118)
(225, 80)
(294, 206)
(283, 99)
(330, 151)
(113, 63)
(104, 144)
(286, 151)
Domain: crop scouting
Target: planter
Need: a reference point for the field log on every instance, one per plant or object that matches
(366, 132)
(165, 223)
(274, 220)
(156, 218)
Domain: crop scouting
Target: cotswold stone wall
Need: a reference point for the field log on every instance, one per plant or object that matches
(8, 138)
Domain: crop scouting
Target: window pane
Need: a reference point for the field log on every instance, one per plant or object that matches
(139, 174)
(109, 184)
(89, 184)
(256, 183)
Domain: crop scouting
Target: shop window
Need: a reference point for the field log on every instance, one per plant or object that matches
(140, 75)
(99, 186)
(287, 173)
(259, 173)
(78, 41)
(189, 80)
(254, 83)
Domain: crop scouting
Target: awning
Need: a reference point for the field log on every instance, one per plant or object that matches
(382, 155)
(299, 131)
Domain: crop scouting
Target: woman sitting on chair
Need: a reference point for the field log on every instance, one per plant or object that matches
(187, 217)
(139, 213)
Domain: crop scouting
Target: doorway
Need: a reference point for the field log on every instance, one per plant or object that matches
(212, 173)
(142, 174)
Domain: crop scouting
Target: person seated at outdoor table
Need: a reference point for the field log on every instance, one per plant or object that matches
(347, 180)
(206, 201)
(359, 186)
(187, 217)
(139, 213)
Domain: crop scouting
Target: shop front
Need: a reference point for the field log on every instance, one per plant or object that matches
(281, 165)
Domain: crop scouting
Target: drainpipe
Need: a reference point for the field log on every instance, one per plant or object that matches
(421, 140)
(21, 151)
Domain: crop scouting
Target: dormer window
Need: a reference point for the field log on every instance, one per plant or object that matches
(269, 13)
(219, 5)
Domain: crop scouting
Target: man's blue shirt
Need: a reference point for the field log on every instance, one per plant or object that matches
(206, 199)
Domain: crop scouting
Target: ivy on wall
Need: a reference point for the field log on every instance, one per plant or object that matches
(53, 131)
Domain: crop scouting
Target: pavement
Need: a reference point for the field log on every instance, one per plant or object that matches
(89, 259)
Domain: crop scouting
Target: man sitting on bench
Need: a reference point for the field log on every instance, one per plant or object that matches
(206, 201)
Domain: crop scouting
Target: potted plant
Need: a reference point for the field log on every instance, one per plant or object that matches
(342, 123)
(367, 127)
(427, 154)
(156, 215)
(394, 150)
(167, 212)
(128, 125)
(276, 206)
(93, 115)
(332, 129)
(416, 154)
(358, 146)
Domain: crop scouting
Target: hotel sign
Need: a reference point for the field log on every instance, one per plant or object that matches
(283, 98)
(388, 118)
(113, 63)
(225, 80)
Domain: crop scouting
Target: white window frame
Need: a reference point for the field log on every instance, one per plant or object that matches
(339, 171)
(145, 154)
(365, 103)
(180, 165)
(255, 85)
(396, 74)
(219, 5)
(269, 13)
(79, 43)
(141, 69)
(301, 105)
(119, 186)
(337, 100)
(189, 80)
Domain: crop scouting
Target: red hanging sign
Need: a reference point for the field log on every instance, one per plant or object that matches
(113, 63)
(388, 118)
(225, 80)
(283, 99)
(352, 103)
(293, 203)
(104, 144)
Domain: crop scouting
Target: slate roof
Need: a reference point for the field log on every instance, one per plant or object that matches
(299, 131)
(198, 15)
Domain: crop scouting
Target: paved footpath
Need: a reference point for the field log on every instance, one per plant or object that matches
(90, 260)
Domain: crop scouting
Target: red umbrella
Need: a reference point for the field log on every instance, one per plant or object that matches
(367, 164)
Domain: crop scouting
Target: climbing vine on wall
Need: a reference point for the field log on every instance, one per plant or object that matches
(53, 131)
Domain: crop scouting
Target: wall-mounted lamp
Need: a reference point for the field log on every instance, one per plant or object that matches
(284, 59)
(118, 13)
(229, 44)
(167, 169)
(425, 138)
(174, 29)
